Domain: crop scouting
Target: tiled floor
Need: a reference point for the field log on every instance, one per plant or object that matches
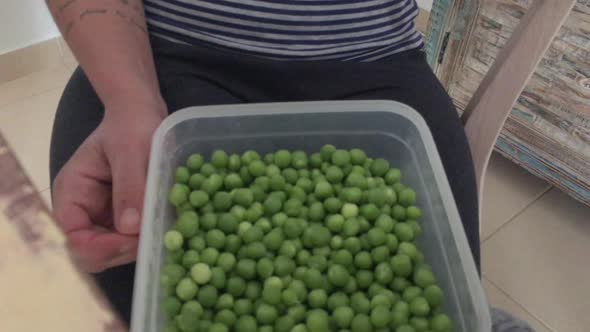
(534, 239)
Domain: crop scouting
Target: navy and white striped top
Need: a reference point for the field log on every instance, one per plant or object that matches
(344, 30)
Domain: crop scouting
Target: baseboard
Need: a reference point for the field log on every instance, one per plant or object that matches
(30, 59)
(54, 51)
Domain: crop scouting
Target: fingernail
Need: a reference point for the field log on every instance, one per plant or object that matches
(129, 221)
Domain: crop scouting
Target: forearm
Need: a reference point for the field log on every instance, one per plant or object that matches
(109, 38)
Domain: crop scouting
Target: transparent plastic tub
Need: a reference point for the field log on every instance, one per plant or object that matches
(383, 129)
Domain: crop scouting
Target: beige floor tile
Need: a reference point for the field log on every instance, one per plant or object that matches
(46, 196)
(540, 260)
(26, 125)
(34, 84)
(500, 300)
(508, 189)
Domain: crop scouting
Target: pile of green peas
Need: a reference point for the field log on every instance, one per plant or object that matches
(296, 242)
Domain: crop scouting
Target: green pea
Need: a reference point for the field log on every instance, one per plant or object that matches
(434, 295)
(326, 152)
(173, 240)
(407, 197)
(398, 213)
(423, 277)
(236, 286)
(393, 176)
(250, 156)
(335, 223)
(282, 158)
(292, 207)
(317, 321)
(222, 326)
(357, 156)
(299, 159)
(383, 274)
(351, 195)
(266, 314)
(272, 205)
(219, 159)
(419, 307)
(177, 195)
(380, 254)
(182, 175)
(186, 289)
(363, 260)
(317, 298)
(232, 243)
(228, 223)
(380, 317)
(243, 307)
(243, 197)
(215, 239)
(187, 224)
(441, 323)
(360, 304)
(341, 158)
(209, 256)
(194, 162)
(234, 162)
(208, 221)
(343, 257)
(401, 265)
(257, 168)
(370, 211)
(284, 324)
(361, 323)
(171, 306)
(356, 180)
(246, 323)
(226, 261)
(338, 275)
(376, 237)
(323, 189)
(246, 268)
(404, 232)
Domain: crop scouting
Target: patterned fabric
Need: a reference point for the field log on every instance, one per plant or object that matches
(344, 30)
(504, 322)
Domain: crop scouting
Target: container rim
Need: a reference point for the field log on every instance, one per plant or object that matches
(388, 106)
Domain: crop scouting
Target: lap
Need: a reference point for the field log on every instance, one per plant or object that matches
(184, 84)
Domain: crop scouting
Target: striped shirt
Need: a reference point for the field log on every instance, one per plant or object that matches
(343, 30)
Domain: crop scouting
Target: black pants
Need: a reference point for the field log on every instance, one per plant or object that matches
(191, 76)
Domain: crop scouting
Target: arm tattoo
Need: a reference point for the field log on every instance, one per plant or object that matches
(61, 6)
(92, 11)
(68, 29)
(65, 5)
(138, 25)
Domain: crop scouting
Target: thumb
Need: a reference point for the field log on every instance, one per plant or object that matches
(129, 170)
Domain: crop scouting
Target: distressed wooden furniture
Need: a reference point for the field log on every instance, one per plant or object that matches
(40, 288)
(527, 61)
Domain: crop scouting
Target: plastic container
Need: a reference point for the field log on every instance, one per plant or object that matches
(382, 128)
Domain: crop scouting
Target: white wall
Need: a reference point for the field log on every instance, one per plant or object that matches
(23, 23)
(425, 4)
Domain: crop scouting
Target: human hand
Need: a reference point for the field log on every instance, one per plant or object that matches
(98, 194)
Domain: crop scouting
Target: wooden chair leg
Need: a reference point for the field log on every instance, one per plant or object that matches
(495, 97)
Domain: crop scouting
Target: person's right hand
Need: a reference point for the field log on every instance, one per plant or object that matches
(98, 194)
